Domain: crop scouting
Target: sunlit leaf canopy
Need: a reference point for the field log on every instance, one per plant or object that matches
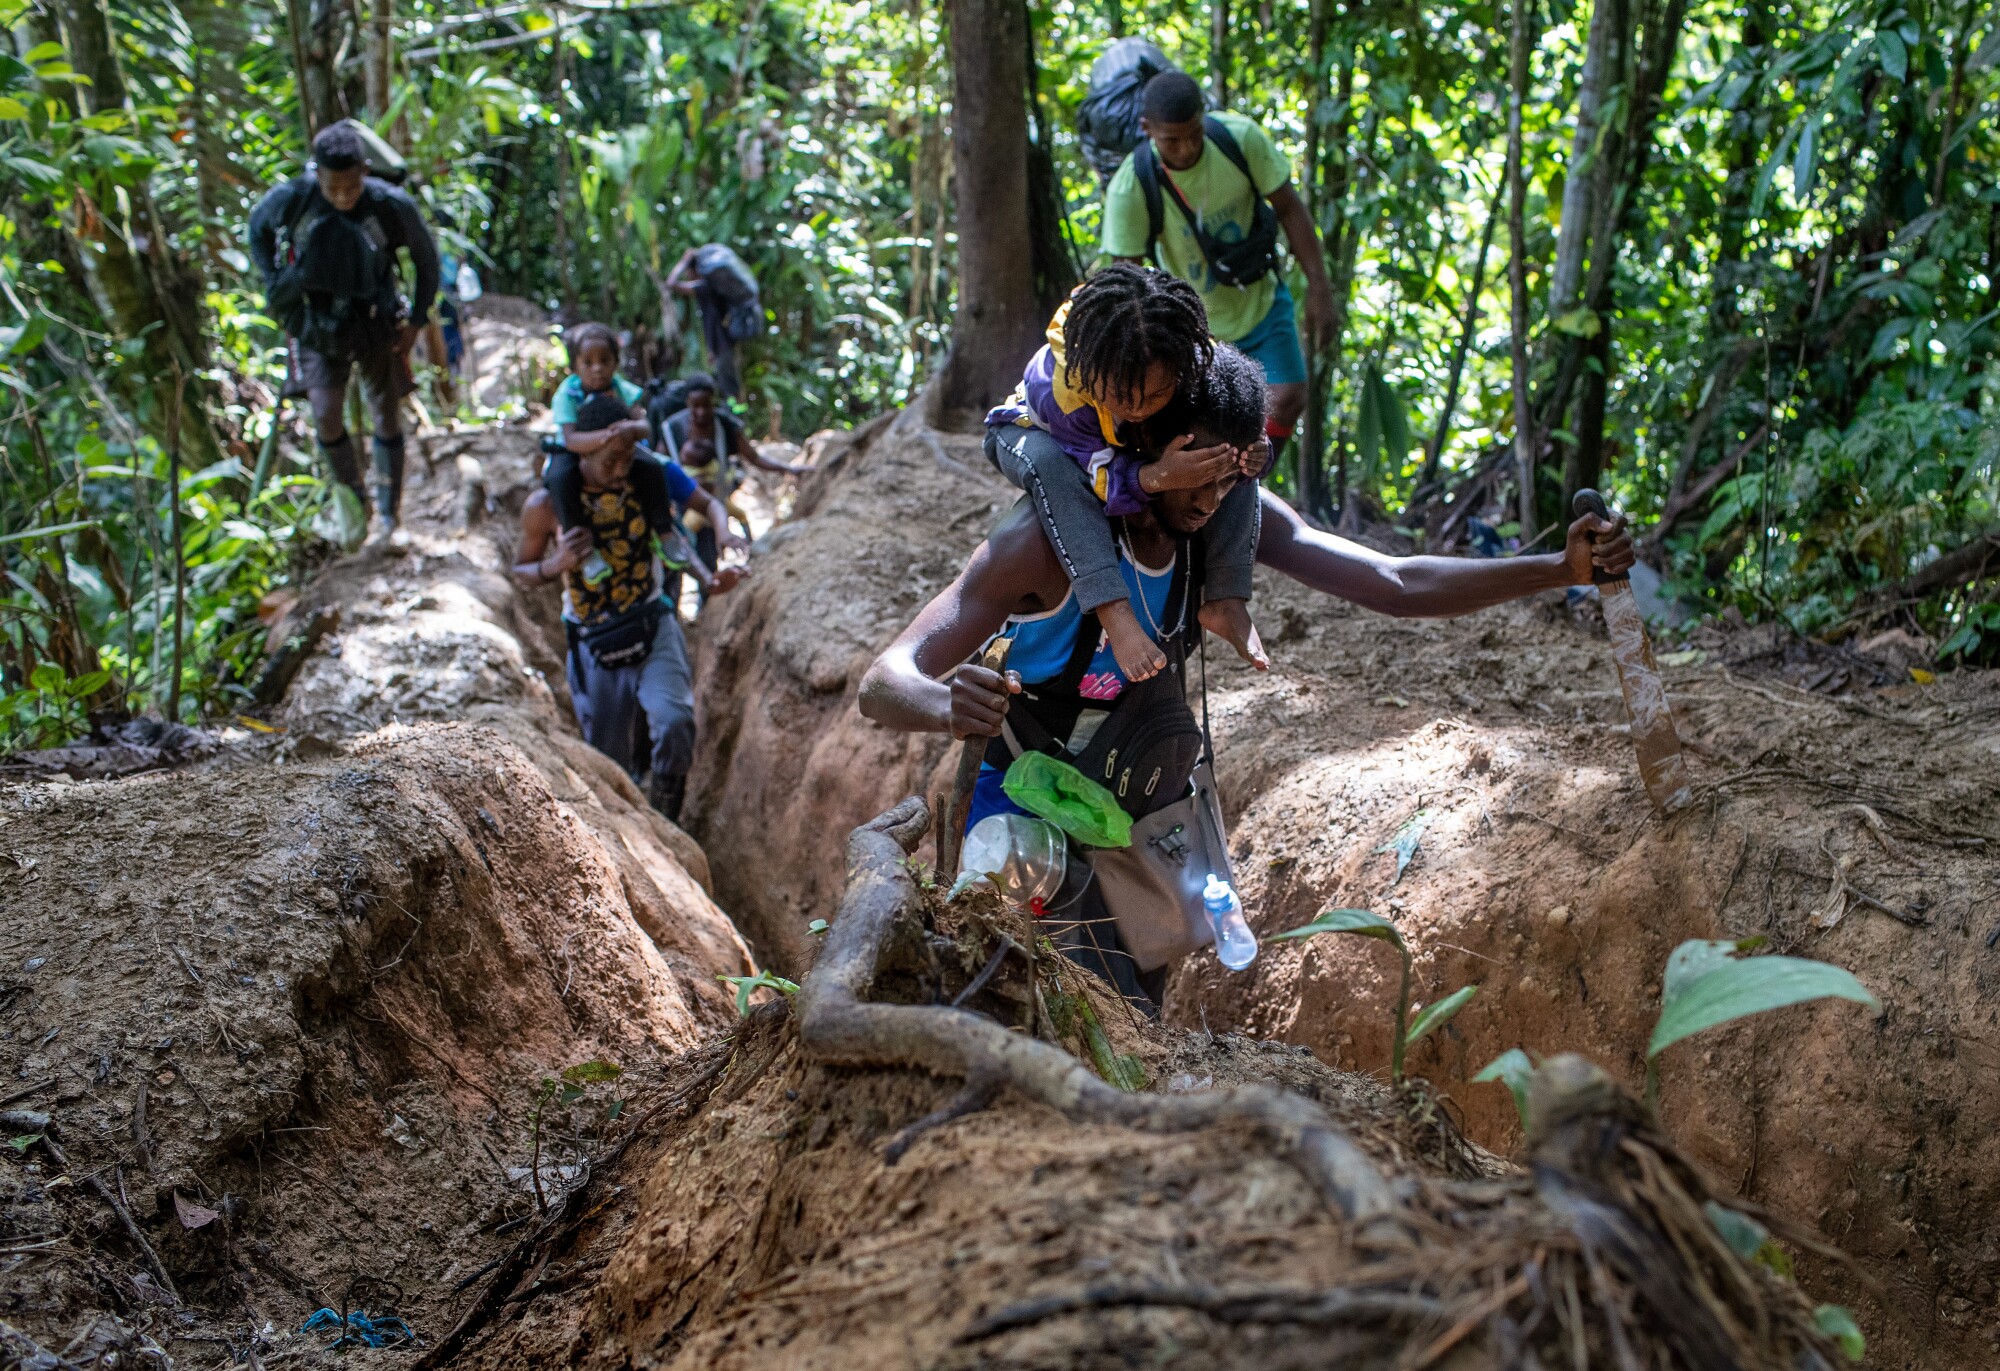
(1795, 331)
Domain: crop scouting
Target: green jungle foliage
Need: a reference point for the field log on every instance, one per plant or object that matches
(1780, 334)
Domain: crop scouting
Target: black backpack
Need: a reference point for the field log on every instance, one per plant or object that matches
(1107, 123)
(1242, 263)
(336, 292)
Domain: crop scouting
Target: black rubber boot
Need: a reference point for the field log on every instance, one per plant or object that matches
(340, 460)
(665, 794)
(389, 477)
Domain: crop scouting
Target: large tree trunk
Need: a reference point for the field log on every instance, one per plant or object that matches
(1309, 456)
(1434, 458)
(1055, 265)
(317, 27)
(1603, 61)
(144, 288)
(1584, 467)
(1519, 48)
(1218, 51)
(999, 319)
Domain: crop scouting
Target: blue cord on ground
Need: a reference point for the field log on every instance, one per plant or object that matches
(360, 1330)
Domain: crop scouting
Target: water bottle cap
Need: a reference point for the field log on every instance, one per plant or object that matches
(1216, 889)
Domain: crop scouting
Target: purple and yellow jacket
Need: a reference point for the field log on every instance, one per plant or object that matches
(1081, 427)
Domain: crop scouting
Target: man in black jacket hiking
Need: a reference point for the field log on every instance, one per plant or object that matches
(326, 243)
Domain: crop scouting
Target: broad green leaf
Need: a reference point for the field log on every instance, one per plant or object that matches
(1368, 422)
(1513, 1069)
(1347, 921)
(87, 684)
(1395, 424)
(25, 339)
(592, 1072)
(10, 108)
(30, 534)
(1691, 961)
(47, 677)
(1743, 1233)
(1806, 160)
(1838, 1323)
(1895, 54)
(43, 52)
(1435, 1016)
(1736, 989)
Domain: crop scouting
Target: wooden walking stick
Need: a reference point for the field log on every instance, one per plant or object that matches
(951, 821)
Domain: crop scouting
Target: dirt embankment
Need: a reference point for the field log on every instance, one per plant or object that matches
(785, 765)
(1538, 871)
(289, 1011)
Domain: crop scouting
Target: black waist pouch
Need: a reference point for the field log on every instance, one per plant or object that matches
(624, 641)
(1145, 750)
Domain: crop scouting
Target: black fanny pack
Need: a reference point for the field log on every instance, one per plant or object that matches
(624, 641)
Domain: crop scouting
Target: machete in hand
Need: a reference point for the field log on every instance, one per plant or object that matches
(1659, 747)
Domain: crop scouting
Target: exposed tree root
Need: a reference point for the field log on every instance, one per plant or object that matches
(1346, 1308)
(1608, 1258)
(837, 1024)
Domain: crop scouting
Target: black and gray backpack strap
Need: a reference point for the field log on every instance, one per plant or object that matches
(1146, 170)
(1219, 134)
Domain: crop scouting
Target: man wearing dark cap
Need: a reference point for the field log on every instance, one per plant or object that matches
(1207, 194)
(326, 243)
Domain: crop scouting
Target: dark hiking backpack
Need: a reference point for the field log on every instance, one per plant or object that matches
(336, 292)
(1242, 263)
(1107, 123)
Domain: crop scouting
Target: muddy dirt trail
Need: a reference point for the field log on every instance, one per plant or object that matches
(1863, 830)
(288, 1010)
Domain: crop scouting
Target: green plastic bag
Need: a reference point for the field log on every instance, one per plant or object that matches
(1050, 788)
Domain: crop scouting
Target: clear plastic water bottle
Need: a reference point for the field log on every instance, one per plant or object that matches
(1235, 944)
(595, 568)
(1025, 857)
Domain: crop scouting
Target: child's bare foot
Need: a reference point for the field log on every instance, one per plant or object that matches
(1230, 621)
(1139, 657)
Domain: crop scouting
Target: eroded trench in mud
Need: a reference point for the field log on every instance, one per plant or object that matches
(315, 986)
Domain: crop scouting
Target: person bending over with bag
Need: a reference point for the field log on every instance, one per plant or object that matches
(626, 656)
(1129, 913)
(326, 244)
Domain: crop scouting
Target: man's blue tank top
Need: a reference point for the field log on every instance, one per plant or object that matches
(1043, 642)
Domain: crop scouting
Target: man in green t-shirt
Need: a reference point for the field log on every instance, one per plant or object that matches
(1196, 173)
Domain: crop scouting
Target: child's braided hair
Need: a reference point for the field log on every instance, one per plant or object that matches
(1125, 319)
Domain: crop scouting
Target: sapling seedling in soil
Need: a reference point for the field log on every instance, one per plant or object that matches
(1430, 1018)
(574, 1084)
(746, 986)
